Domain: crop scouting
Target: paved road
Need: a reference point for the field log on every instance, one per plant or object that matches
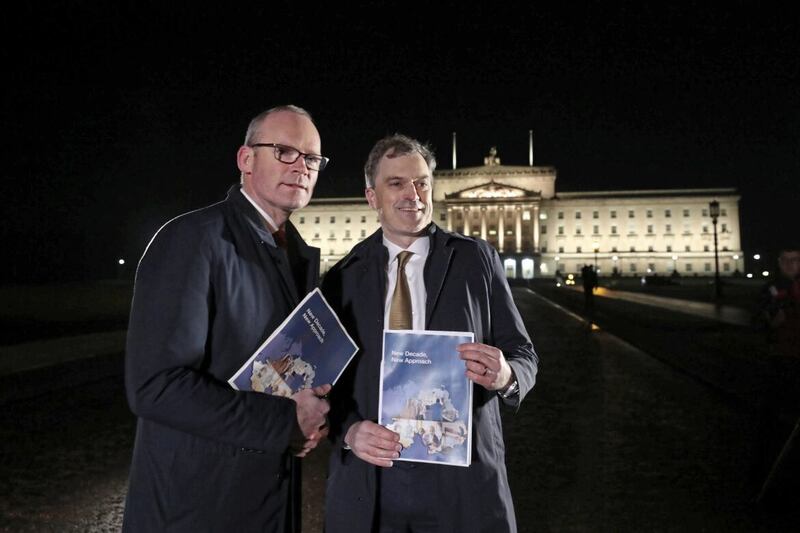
(611, 439)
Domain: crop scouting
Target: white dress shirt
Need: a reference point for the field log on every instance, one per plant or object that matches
(414, 275)
(273, 227)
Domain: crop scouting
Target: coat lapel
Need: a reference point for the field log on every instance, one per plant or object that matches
(436, 267)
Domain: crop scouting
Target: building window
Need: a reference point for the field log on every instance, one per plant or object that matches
(649, 229)
(316, 220)
(649, 213)
(723, 212)
(668, 213)
(668, 228)
(688, 267)
(632, 267)
(363, 233)
(347, 234)
(595, 214)
(347, 220)
(302, 220)
(633, 248)
(577, 214)
(561, 230)
(650, 248)
(724, 228)
(526, 215)
(543, 229)
(687, 248)
(613, 230)
(363, 219)
(561, 215)
(316, 235)
(651, 267)
(613, 214)
(332, 236)
(705, 228)
(443, 217)
(724, 248)
(595, 229)
(333, 220)
(669, 248)
(705, 248)
(707, 267)
(578, 249)
(543, 249)
(705, 212)
(614, 249)
(561, 249)
(578, 230)
(726, 267)
(631, 213)
(686, 213)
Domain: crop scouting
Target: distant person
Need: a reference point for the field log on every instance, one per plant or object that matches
(412, 274)
(211, 287)
(589, 279)
(780, 305)
(779, 315)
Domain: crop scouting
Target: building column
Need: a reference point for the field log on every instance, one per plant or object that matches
(483, 222)
(536, 229)
(467, 228)
(501, 228)
(518, 227)
(449, 218)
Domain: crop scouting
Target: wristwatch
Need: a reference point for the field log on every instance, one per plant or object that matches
(510, 391)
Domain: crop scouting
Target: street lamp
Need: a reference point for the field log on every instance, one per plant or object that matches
(713, 210)
(596, 247)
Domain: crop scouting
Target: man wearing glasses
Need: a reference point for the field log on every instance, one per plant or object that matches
(211, 287)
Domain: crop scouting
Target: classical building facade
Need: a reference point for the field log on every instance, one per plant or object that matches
(539, 231)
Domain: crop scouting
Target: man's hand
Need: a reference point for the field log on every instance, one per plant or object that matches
(311, 411)
(373, 443)
(485, 365)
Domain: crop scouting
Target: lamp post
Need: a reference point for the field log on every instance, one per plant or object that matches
(596, 247)
(713, 210)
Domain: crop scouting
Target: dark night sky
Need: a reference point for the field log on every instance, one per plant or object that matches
(120, 117)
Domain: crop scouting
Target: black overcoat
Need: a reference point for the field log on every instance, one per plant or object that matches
(210, 288)
(466, 291)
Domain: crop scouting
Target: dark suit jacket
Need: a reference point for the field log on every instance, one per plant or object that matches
(210, 288)
(466, 291)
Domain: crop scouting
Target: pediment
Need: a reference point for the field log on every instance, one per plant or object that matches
(491, 189)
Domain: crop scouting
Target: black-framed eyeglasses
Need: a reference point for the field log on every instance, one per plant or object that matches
(288, 155)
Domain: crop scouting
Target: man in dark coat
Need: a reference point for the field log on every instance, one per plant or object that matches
(455, 283)
(211, 287)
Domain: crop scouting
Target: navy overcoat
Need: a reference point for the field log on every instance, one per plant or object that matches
(210, 288)
(466, 291)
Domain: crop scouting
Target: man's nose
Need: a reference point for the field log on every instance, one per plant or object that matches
(300, 165)
(410, 192)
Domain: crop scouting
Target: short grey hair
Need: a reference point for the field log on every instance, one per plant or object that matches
(252, 129)
(394, 146)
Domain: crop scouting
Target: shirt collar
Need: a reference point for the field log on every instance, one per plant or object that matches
(420, 247)
(270, 223)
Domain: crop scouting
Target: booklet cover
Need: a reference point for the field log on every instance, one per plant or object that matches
(425, 396)
(310, 348)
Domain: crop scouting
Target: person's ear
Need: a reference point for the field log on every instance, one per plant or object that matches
(244, 159)
(369, 192)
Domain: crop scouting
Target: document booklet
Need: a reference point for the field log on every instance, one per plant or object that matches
(426, 397)
(308, 349)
